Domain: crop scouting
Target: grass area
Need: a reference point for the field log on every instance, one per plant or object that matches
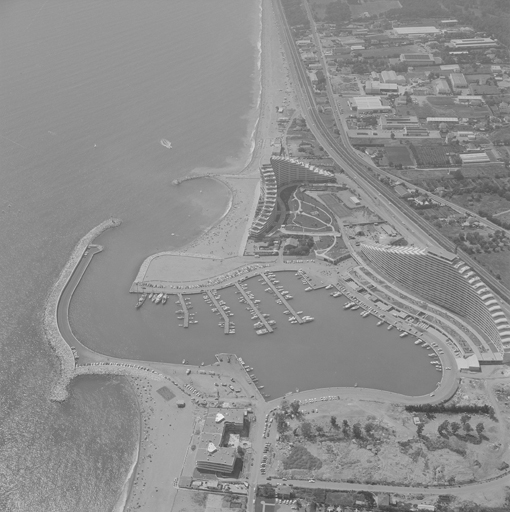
(323, 242)
(301, 458)
(374, 7)
(399, 155)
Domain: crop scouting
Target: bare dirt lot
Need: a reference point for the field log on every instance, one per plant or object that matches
(372, 442)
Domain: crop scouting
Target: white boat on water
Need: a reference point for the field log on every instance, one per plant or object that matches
(166, 143)
(390, 327)
(380, 322)
(403, 335)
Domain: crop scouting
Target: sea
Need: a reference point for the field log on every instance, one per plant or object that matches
(87, 92)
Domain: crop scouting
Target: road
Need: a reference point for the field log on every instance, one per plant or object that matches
(359, 170)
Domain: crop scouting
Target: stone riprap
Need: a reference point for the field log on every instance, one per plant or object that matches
(59, 391)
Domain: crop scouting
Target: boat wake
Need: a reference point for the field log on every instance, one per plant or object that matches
(166, 143)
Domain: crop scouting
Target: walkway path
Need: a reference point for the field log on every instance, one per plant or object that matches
(184, 307)
(254, 307)
(282, 298)
(226, 327)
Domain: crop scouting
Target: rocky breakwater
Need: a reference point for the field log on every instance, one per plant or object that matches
(59, 391)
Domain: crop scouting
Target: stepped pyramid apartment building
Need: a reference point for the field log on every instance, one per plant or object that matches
(282, 171)
(444, 279)
(214, 452)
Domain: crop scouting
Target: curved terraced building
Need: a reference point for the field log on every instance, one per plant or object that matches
(280, 172)
(444, 279)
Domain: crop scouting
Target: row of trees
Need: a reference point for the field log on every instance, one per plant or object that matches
(446, 428)
(452, 409)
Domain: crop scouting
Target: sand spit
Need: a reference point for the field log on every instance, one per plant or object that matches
(59, 392)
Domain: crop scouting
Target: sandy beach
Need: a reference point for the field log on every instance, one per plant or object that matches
(166, 430)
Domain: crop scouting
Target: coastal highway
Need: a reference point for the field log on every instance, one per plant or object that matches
(346, 157)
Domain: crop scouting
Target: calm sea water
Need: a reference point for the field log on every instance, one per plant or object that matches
(87, 91)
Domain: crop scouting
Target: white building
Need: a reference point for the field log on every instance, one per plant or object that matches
(474, 158)
(415, 31)
(390, 77)
(475, 42)
(368, 104)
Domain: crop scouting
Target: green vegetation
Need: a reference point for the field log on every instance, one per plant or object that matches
(451, 409)
(295, 13)
(338, 12)
(301, 458)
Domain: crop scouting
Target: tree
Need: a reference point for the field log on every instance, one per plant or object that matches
(468, 428)
(454, 427)
(443, 427)
(480, 428)
(356, 431)
(346, 428)
(306, 430)
(465, 418)
(320, 430)
(281, 423)
(369, 428)
(294, 407)
(333, 422)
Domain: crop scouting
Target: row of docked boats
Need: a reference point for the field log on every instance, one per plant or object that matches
(157, 298)
(153, 297)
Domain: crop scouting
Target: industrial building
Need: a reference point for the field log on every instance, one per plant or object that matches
(444, 279)
(415, 31)
(214, 452)
(458, 81)
(280, 172)
(474, 158)
(417, 59)
(453, 68)
(376, 87)
(475, 42)
(366, 104)
(441, 86)
(390, 77)
(398, 122)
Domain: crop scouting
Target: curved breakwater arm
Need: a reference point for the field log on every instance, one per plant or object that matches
(52, 332)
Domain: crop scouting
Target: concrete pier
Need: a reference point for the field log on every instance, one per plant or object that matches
(185, 309)
(226, 328)
(282, 298)
(255, 308)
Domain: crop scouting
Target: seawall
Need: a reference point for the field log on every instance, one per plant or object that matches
(59, 391)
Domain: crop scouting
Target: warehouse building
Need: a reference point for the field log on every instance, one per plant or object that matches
(417, 59)
(415, 31)
(458, 81)
(441, 86)
(475, 42)
(390, 77)
(368, 104)
(376, 87)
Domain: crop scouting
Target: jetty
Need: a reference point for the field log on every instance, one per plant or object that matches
(282, 298)
(254, 307)
(226, 327)
(184, 306)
